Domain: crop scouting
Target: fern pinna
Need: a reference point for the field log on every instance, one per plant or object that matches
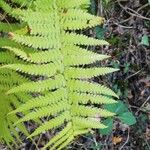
(42, 54)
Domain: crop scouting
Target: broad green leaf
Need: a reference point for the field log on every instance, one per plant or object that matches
(100, 32)
(108, 130)
(117, 108)
(145, 40)
(127, 118)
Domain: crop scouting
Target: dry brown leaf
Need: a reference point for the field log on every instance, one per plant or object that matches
(117, 139)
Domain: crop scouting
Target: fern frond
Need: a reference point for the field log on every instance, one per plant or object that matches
(17, 52)
(85, 123)
(31, 16)
(23, 2)
(35, 42)
(6, 58)
(73, 20)
(85, 57)
(49, 84)
(23, 98)
(87, 87)
(72, 3)
(75, 14)
(8, 9)
(42, 30)
(79, 132)
(5, 7)
(42, 70)
(53, 123)
(7, 42)
(37, 57)
(77, 39)
(21, 127)
(9, 79)
(9, 74)
(47, 5)
(5, 27)
(48, 99)
(86, 111)
(44, 46)
(66, 141)
(45, 111)
(82, 59)
(5, 133)
(85, 98)
(77, 24)
(60, 136)
(82, 73)
(44, 7)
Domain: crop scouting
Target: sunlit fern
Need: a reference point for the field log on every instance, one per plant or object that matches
(52, 49)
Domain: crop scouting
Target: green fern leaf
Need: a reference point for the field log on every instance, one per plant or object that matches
(77, 39)
(7, 42)
(88, 73)
(60, 136)
(73, 20)
(5, 7)
(6, 58)
(48, 99)
(85, 57)
(35, 42)
(45, 111)
(53, 123)
(49, 84)
(5, 27)
(85, 111)
(23, 2)
(85, 98)
(37, 57)
(9, 79)
(42, 70)
(84, 123)
(68, 140)
(72, 4)
(87, 87)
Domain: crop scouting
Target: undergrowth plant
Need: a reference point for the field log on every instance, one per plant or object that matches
(45, 71)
